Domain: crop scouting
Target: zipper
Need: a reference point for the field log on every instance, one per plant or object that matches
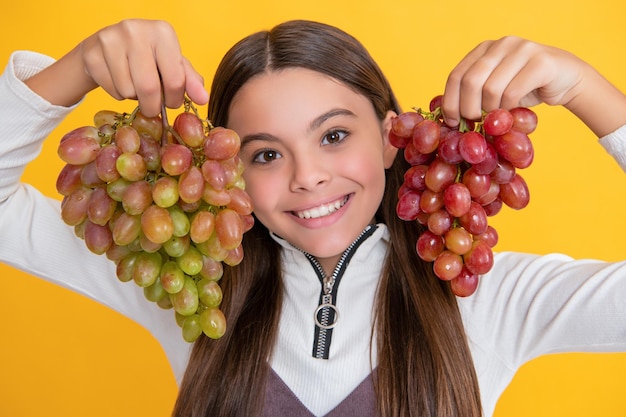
(326, 315)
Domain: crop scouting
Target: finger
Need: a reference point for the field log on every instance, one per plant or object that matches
(483, 82)
(501, 89)
(145, 81)
(97, 68)
(115, 49)
(450, 103)
(195, 85)
(171, 66)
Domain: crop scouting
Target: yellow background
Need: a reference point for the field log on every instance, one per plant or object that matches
(65, 355)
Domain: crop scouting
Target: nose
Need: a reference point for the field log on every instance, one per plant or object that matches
(308, 173)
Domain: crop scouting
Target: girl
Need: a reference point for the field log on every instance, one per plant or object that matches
(314, 113)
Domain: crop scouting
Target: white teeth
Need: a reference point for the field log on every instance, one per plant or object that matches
(321, 211)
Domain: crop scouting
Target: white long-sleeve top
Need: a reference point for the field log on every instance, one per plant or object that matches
(526, 306)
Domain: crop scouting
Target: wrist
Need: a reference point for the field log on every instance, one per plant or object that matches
(64, 82)
(598, 103)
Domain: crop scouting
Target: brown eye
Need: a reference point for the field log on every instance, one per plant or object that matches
(265, 156)
(334, 136)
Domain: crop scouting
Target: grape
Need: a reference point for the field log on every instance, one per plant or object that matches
(464, 284)
(152, 126)
(234, 256)
(213, 323)
(211, 269)
(165, 192)
(439, 222)
(477, 184)
(156, 224)
(191, 185)
(503, 172)
(409, 205)
(524, 120)
(457, 199)
(448, 149)
(221, 144)
(177, 245)
(166, 204)
(229, 228)
(125, 266)
(74, 206)
(98, 238)
(172, 277)
(126, 228)
(150, 150)
(214, 173)
(515, 147)
(429, 246)
(215, 197)
(448, 265)
(191, 327)
(440, 175)
(515, 193)
(490, 236)
(176, 158)
(458, 178)
(431, 201)
(79, 146)
(487, 165)
(190, 129)
(473, 147)
(127, 139)
(459, 240)
(202, 226)
(100, 207)
(146, 268)
(131, 166)
(89, 175)
(479, 259)
(240, 201)
(69, 179)
(137, 197)
(414, 177)
(415, 157)
(105, 163)
(498, 122)
(426, 136)
(155, 292)
(404, 123)
(475, 220)
(209, 292)
(186, 301)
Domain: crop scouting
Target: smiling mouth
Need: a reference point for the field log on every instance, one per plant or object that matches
(321, 211)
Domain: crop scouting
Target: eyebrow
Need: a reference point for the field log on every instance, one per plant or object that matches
(315, 124)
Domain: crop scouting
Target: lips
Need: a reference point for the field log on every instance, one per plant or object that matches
(321, 210)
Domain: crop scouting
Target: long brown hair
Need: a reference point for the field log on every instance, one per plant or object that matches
(424, 365)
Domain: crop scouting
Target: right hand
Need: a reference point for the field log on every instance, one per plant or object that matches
(133, 59)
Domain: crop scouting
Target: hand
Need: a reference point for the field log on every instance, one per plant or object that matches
(507, 73)
(133, 59)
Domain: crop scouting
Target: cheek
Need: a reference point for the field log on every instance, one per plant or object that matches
(367, 168)
(261, 188)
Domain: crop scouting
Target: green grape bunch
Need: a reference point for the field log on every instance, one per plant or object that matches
(166, 203)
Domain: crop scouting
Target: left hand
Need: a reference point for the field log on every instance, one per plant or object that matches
(507, 73)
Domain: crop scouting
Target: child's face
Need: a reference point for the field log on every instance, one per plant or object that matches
(315, 154)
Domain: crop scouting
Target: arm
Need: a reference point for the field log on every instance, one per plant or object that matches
(134, 59)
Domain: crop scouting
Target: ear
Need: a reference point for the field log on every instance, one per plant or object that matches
(389, 151)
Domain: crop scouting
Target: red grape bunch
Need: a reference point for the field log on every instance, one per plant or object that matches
(165, 203)
(458, 178)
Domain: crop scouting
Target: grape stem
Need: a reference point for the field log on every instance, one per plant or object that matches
(166, 125)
